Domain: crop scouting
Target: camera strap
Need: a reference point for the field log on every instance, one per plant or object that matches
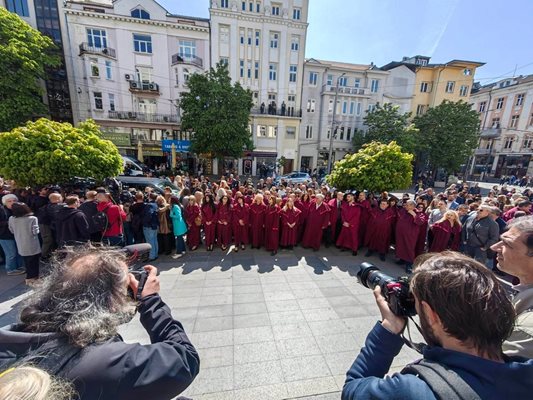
(418, 347)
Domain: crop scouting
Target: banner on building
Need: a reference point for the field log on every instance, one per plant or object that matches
(181, 145)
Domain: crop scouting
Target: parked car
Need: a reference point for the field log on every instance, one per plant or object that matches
(294, 177)
(133, 167)
(140, 182)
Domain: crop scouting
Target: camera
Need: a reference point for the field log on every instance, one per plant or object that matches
(137, 255)
(395, 291)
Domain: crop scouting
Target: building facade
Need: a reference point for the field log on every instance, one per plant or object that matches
(263, 44)
(358, 89)
(506, 115)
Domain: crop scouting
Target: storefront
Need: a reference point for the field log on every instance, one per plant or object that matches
(516, 165)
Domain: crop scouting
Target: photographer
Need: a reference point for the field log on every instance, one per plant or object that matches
(465, 316)
(69, 327)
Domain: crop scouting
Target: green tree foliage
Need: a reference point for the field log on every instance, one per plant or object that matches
(450, 132)
(386, 124)
(218, 114)
(376, 167)
(24, 55)
(44, 152)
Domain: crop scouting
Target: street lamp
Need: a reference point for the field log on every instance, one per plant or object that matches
(330, 163)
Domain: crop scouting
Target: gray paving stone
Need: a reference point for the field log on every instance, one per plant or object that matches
(244, 289)
(216, 356)
(211, 380)
(299, 285)
(331, 327)
(275, 287)
(257, 374)
(217, 291)
(248, 298)
(269, 392)
(286, 317)
(253, 335)
(313, 387)
(278, 296)
(307, 293)
(249, 308)
(320, 314)
(216, 300)
(350, 311)
(292, 330)
(185, 284)
(330, 283)
(181, 301)
(335, 291)
(215, 311)
(239, 280)
(340, 363)
(251, 320)
(305, 367)
(343, 300)
(297, 347)
(184, 312)
(282, 305)
(218, 282)
(183, 292)
(204, 340)
(337, 343)
(213, 324)
(312, 303)
(255, 352)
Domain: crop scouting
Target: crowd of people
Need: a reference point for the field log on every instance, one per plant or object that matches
(231, 213)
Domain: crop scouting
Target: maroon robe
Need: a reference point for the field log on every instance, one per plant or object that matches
(289, 236)
(248, 200)
(303, 206)
(407, 229)
(208, 215)
(193, 233)
(445, 236)
(379, 229)
(317, 221)
(365, 205)
(351, 215)
(240, 232)
(223, 218)
(422, 234)
(257, 222)
(272, 217)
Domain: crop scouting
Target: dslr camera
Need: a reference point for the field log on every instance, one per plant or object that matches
(137, 255)
(395, 291)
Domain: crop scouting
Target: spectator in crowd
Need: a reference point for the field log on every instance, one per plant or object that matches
(72, 225)
(479, 233)
(136, 210)
(47, 223)
(90, 208)
(164, 231)
(150, 223)
(13, 261)
(523, 205)
(179, 226)
(113, 233)
(407, 231)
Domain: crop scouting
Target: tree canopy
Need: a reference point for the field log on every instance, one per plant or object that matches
(45, 152)
(24, 55)
(218, 112)
(376, 167)
(449, 132)
(386, 124)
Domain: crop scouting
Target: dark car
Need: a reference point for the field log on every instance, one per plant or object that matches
(141, 182)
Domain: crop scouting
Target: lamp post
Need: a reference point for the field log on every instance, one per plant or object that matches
(331, 134)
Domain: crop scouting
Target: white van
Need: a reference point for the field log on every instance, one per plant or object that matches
(132, 166)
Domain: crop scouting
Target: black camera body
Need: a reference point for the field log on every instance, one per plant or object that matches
(396, 291)
(137, 255)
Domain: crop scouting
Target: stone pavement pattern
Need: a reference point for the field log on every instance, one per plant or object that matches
(282, 327)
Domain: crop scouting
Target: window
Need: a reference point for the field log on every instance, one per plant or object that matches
(272, 131)
(258, 6)
(272, 72)
(292, 73)
(425, 87)
(274, 37)
(249, 70)
(482, 106)
(309, 132)
(224, 61)
(187, 48)
(243, 6)
(343, 81)
(291, 98)
(241, 68)
(420, 109)
(352, 107)
(357, 82)
(295, 43)
(499, 103)
(257, 37)
(271, 97)
(95, 70)
(519, 100)
(463, 91)
(344, 107)
(329, 80)
(251, 6)
(348, 134)
(139, 13)
(450, 86)
(148, 106)
(467, 72)
(256, 70)
(508, 143)
(143, 74)
(142, 43)
(374, 85)
(371, 107)
(311, 104)
(291, 132)
(342, 133)
(514, 121)
(261, 131)
(495, 123)
(224, 3)
(241, 35)
(19, 7)
(250, 36)
(531, 120)
(177, 76)
(224, 33)
(528, 142)
(296, 13)
(97, 38)
(359, 108)
(313, 77)
(108, 70)
(275, 9)
(186, 75)
(98, 104)
(111, 101)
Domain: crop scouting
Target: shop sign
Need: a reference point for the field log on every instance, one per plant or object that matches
(181, 145)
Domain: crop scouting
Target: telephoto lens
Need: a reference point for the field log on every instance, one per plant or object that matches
(395, 291)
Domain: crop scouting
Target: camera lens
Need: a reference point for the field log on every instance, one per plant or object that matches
(370, 276)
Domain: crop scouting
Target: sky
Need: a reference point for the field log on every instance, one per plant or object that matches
(498, 33)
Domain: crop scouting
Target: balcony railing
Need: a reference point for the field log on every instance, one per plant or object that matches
(482, 152)
(490, 133)
(344, 89)
(136, 86)
(143, 117)
(282, 112)
(104, 51)
(187, 59)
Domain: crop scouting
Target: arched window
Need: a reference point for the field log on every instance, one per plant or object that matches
(140, 13)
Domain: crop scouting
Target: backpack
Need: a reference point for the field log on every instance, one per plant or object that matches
(445, 383)
(101, 220)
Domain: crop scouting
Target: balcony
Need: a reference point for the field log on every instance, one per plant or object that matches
(345, 90)
(101, 51)
(187, 59)
(490, 133)
(281, 112)
(146, 87)
(143, 117)
(482, 152)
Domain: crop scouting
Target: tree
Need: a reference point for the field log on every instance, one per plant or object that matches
(450, 133)
(376, 167)
(218, 114)
(386, 124)
(24, 55)
(44, 152)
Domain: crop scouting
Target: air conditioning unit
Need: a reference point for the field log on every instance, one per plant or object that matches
(105, 50)
(131, 115)
(134, 85)
(165, 119)
(153, 86)
(128, 77)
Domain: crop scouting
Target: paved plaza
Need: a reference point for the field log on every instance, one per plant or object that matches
(283, 327)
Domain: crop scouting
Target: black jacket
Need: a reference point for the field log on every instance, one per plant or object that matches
(89, 208)
(71, 227)
(47, 214)
(5, 234)
(115, 370)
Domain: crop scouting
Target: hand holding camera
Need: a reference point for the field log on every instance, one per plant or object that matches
(389, 320)
(146, 283)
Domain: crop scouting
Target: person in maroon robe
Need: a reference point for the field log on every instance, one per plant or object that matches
(407, 229)
(302, 204)
(317, 221)
(257, 221)
(240, 221)
(209, 221)
(193, 216)
(272, 218)
(223, 218)
(249, 198)
(350, 215)
(290, 216)
(365, 204)
(446, 233)
(422, 230)
(381, 221)
(335, 218)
